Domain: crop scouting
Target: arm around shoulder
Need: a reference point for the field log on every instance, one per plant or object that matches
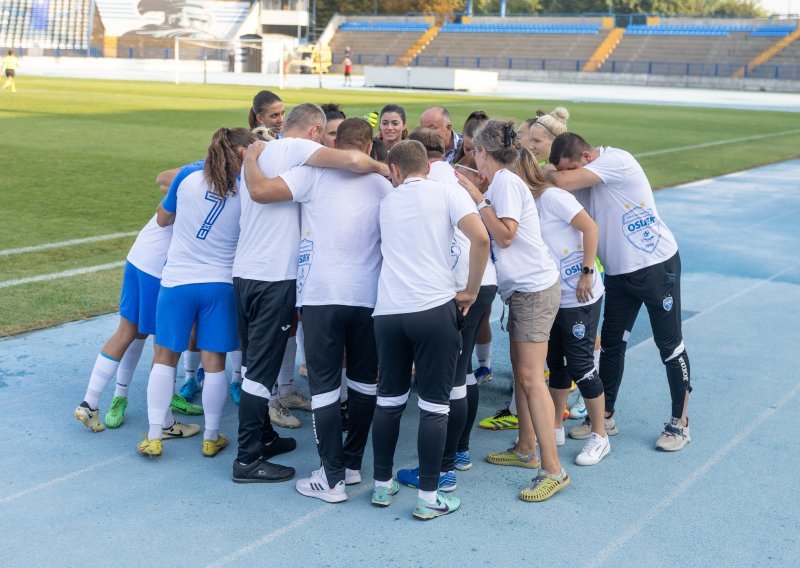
(573, 180)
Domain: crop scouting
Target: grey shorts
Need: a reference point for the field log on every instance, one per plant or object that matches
(531, 314)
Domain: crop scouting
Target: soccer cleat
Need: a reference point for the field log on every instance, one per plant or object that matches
(236, 391)
(594, 450)
(317, 486)
(180, 430)
(445, 504)
(151, 448)
(578, 409)
(410, 478)
(280, 415)
(544, 486)
(181, 405)
(463, 461)
(90, 418)
(674, 437)
(116, 414)
(352, 476)
(296, 400)
(584, 430)
(261, 471)
(483, 375)
(382, 496)
(502, 420)
(512, 458)
(213, 447)
(560, 438)
(189, 389)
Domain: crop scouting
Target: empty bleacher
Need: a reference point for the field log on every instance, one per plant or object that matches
(375, 43)
(44, 24)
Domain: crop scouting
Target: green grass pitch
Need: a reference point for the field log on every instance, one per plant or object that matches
(80, 159)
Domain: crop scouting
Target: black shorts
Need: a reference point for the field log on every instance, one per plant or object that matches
(10, 73)
(472, 322)
(570, 351)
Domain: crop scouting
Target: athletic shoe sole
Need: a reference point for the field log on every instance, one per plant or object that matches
(593, 461)
(323, 496)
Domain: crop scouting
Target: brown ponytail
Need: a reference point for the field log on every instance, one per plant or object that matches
(223, 162)
(530, 172)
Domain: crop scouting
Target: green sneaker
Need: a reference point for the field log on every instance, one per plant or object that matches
(116, 414)
(445, 504)
(382, 496)
(544, 486)
(183, 406)
(512, 458)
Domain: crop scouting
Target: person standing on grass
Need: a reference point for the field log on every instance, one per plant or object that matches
(418, 318)
(642, 266)
(10, 67)
(196, 285)
(348, 71)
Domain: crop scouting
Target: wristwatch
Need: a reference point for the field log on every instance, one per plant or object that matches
(587, 270)
(484, 203)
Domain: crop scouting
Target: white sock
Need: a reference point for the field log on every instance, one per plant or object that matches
(215, 393)
(427, 496)
(191, 362)
(104, 369)
(484, 353)
(236, 366)
(597, 359)
(286, 375)
(387, 484)
(160, 388)
(512, 406)
(343, 388)
(127, 366)
(169, 419)
(301, 347)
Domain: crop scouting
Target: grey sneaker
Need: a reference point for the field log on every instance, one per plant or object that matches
(280, 415)
(674, 437)
(584, 431)
(296, 400)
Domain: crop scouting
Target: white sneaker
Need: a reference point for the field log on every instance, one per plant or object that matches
(296, 400)
(595, 449)
(317, 486)
(578, 410)
(280, 415)
(352, 476)
(560, 437)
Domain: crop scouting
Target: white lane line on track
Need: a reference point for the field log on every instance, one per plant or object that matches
(715, 143)
(62, 479)
(687, 483)
(64, 274)
(61, 244)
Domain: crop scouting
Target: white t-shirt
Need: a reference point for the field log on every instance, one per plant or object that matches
(417, 220)
(340, 239)
(557, 208)
(632, 235)
(460, 246)
(205, 232)
(270, 234)
(525, 265)
(149, 251)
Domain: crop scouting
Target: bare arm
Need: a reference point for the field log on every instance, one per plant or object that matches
(163, 217)
(586, 225)
(352, 160)
(573, 180)
(261, 188)
(475, 231)
(164, 179)
(502, 230)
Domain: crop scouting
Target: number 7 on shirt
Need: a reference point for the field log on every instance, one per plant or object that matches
(213, 215)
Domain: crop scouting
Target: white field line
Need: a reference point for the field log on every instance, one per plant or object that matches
(64, 274)
(61, 244)
(716, 143)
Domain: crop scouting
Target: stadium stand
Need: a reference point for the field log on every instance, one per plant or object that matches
(375, 43)
(45, 24)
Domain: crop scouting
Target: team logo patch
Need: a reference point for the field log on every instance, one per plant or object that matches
(304, 263)
(640, 227)
(579, 330)
(667, 303)
(455, 254)
(571, 268)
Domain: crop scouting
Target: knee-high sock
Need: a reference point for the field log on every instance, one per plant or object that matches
(286, 376)
(484, 353)
(473, 398)
(215, 393)
(191, 362)
(127, 366)
(104, 369)
(301, 338)
(236, 366)
(160, 388)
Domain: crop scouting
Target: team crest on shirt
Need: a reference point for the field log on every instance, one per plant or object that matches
(455, 254)
(640, 227)
(304, 263)
(667, 303)
(579, 330)
(571, 268)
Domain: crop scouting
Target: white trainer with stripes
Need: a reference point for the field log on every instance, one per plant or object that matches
(317, 486)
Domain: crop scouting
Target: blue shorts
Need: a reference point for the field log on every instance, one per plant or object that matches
(137, 302)
(211, 305)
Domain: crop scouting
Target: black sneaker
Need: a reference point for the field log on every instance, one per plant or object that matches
(261, 471)
(277, 446)
(345, 418)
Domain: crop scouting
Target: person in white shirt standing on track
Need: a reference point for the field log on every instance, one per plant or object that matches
(528, 282)
(418, 317)
(196, 284)
(642, 266)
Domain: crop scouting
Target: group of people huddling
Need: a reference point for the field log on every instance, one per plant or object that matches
(390, 251)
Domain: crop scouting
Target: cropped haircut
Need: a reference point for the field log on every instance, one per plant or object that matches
(409, 156)
(353, 133)
(434, 145)
(304, 116)
(223, 162)
(568, 145)
(261, 102)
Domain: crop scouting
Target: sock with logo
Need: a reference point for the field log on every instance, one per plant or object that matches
(484, 353)
(191, 362)
(104, 368)
(127, 366)
(236, 366)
